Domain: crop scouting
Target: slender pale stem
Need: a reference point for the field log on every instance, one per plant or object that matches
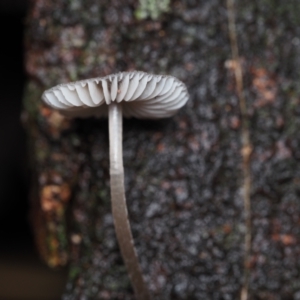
(119, 208)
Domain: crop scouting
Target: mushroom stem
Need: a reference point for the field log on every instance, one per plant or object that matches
(119, 208)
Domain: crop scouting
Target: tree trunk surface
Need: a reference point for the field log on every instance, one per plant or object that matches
(193, 182)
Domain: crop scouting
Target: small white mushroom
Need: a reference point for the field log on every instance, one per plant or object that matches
(132, 94)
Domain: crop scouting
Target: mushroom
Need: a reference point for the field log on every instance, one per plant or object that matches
(132, 94)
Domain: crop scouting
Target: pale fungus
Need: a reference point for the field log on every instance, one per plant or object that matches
(128, 94)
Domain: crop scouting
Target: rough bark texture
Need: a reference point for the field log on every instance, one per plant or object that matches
(184, 176)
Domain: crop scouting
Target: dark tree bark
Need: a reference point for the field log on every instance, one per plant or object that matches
(186, 178)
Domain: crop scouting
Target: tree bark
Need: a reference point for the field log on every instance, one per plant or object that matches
(187, 179)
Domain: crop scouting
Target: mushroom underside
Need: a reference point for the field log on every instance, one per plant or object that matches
(142, 95)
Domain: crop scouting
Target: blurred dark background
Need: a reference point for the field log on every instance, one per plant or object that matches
(14, 175)
(22, 274)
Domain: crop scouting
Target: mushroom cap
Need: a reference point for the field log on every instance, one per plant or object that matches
(142, 95)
